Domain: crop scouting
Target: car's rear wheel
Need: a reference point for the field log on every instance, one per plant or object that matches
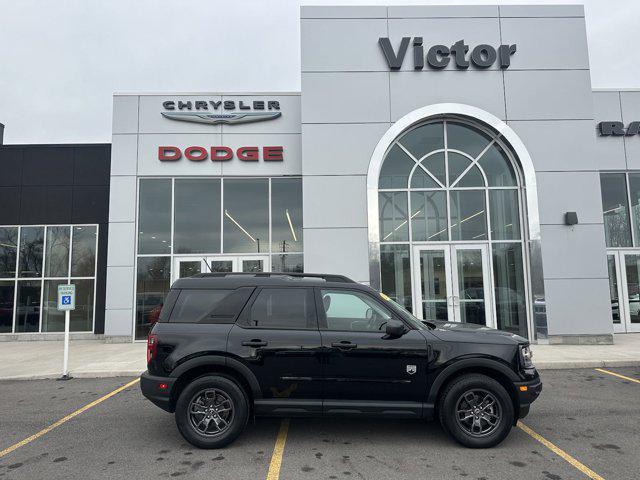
(476, 411)
(211, 411)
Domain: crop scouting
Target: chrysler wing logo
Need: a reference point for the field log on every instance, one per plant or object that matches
(221, 118)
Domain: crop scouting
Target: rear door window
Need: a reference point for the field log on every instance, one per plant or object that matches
(291, 308)
(209, 306)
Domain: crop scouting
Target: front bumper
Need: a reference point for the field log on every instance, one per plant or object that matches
(151, 389)
(527, 393)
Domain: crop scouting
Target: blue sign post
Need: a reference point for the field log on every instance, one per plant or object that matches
(66, 303)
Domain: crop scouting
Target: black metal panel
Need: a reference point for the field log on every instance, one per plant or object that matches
(90, 204)
(47, 165)
(92, 164)
(9, 205)
(101, 277)
(10, 166)
(45, 204)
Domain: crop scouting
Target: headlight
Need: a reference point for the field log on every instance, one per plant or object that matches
(526, 356)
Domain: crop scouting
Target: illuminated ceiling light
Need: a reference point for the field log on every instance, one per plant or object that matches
(239, 226)
(286, 212)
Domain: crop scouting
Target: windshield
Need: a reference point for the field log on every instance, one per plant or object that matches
(406, 315)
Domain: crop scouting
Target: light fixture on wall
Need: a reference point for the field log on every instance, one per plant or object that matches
(571, 218)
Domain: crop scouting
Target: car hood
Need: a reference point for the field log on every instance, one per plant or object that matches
(469, 332)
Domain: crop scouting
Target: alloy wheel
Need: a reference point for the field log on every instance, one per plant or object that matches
(211, 412)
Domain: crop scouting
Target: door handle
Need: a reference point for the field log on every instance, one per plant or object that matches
(344, 345)
(456, 300)
(254, 343)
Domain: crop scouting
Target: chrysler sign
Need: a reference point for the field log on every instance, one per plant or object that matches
(216, 112)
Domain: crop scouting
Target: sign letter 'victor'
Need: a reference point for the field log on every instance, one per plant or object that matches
(439, 56)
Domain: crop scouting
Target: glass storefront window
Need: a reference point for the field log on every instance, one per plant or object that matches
(44, 256)
(634, 195)
(197, 216)
(52, 318)
(154, 218)
(81, 319)
(509, 288)
(286, 215)
(291, 263)
(28, 306)
(395, 272)
(393, 216)
(429, 216)
(615, 209)
(57, 254)
(7, 289)
(31, 246)
(246, 216)
(152, 285)
(505, 217)
(465, 183)
(8, 251)
(468, 215)
(83, 256)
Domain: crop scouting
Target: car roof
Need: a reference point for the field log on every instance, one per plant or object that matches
(236, 280)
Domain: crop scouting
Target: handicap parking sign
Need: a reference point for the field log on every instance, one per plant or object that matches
(66, 297)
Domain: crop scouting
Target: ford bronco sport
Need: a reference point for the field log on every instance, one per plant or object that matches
(230, 346)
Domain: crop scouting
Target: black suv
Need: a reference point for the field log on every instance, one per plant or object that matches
(229, 346)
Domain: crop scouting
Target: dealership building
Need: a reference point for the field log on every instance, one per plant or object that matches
(454, 157)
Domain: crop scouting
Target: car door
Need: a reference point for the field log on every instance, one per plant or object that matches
(363, 367)
(277, 338)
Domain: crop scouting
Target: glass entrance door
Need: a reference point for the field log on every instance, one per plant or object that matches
(188, 266)
(624, 290)
(452, 283)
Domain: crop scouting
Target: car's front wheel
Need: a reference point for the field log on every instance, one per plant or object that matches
(476, 411)
(211, 411)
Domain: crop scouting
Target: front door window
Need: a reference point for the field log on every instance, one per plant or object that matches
(453, 283)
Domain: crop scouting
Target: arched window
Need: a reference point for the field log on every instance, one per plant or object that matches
(451, 242)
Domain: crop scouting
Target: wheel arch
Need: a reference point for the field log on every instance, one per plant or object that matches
(485, 366)
(217, 364)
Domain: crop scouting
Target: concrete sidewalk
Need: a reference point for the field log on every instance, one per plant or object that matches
(94, 358)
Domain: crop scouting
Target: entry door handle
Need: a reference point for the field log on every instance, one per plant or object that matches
(254, 343)
(345, 345)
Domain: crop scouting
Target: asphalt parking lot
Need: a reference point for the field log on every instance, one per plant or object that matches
(588, 415)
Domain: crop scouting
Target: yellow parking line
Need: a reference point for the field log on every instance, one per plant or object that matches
(278, 450)
(35, 436)
(618, 375)
(561, 453)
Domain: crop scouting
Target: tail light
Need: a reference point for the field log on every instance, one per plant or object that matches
(152, 344)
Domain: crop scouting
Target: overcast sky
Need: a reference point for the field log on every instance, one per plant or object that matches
(61, 61)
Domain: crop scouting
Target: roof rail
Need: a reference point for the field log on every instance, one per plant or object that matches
(326, 277)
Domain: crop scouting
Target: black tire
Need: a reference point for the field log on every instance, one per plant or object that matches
(207, 394)
(488, 425)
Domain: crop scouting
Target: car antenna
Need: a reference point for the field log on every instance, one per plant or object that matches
(207, 264)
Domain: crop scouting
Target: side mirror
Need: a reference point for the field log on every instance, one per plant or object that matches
(395, 329)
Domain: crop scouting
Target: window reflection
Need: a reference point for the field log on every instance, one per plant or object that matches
(8, 251)
(396, 273)
(83, 253)
(52, 318)
(615, 209)
(31, 244)
(57, 255)
(197, 216)
(393, 216)
(151, 286)
(286, 215)
(28, 306)
(468, 215)
(246, 215)
(287, 263)
(81, 319)
(154, 218)
(6, 306)
(509, 288)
